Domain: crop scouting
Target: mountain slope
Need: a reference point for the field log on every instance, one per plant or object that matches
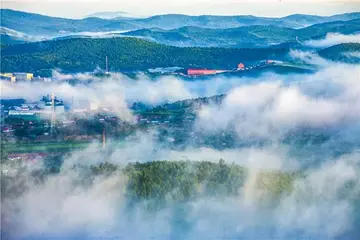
(171, 21)
(320, 30)
(124, 54)
(250, 36)
(37, 24)
(346, 52)
(112, 15)
(7, 39)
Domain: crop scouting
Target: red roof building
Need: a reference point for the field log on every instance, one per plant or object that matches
(197, 72)
(241, 66)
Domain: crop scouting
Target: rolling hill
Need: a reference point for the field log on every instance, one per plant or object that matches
(40, 25)
(113, 15)
(172, 21)
(74, 55)
(36, 24)
(243, 37)
(346, 52)
(129, 54)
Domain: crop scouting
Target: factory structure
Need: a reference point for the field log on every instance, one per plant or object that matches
(240, 67)
(46, 108)
(17, 76)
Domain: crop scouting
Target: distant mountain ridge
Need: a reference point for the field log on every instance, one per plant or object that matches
(243, 37)
(113, 15)
(36, 24)
(172, 21)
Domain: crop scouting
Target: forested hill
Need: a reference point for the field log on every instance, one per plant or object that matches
(242, 37)
(36, 24)
(346, 52)
(74, 55)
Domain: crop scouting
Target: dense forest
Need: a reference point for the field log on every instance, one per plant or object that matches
(346, 52)
(243, 37)
(130, 54)
(74, 55)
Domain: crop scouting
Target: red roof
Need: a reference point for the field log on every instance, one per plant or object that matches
(241, 65)
(194, 72)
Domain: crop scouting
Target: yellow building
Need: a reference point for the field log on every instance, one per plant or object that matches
(8, 76)
(13, 77)
(23, 76)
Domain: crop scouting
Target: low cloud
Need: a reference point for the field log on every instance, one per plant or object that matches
(269, 108)
(352, 54)
(64, 207)
(333, 39)
(322, 203)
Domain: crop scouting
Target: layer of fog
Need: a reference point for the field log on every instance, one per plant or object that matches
(101, 34)
(20, 35)
(65, 209)
(329, 97)
(321, 206)
(119, 91)
(352, 54)
(333, 39)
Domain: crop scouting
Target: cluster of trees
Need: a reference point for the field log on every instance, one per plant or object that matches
(179, 181)
(164, 182)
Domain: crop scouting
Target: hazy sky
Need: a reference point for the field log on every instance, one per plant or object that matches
(79, 8)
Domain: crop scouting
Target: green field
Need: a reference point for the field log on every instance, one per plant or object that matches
(45, 147)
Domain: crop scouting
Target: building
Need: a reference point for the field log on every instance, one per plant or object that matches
(19, 76)
(23, 76)
(7, 77)
(47, 104)
(30, 115)
(241, 66)
(199, 72)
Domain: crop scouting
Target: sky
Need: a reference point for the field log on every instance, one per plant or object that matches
(271, 8)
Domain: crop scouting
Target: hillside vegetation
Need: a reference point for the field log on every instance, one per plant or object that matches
(249, 36)
(74, 55)
(37, 24)
(166, 182)
(346, 52)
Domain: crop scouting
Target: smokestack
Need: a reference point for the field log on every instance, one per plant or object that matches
(104, 139)
(107, 66)
(53, 116)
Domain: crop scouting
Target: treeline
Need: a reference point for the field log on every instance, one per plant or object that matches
(179, 181)
(163, 182)
(124, 54)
